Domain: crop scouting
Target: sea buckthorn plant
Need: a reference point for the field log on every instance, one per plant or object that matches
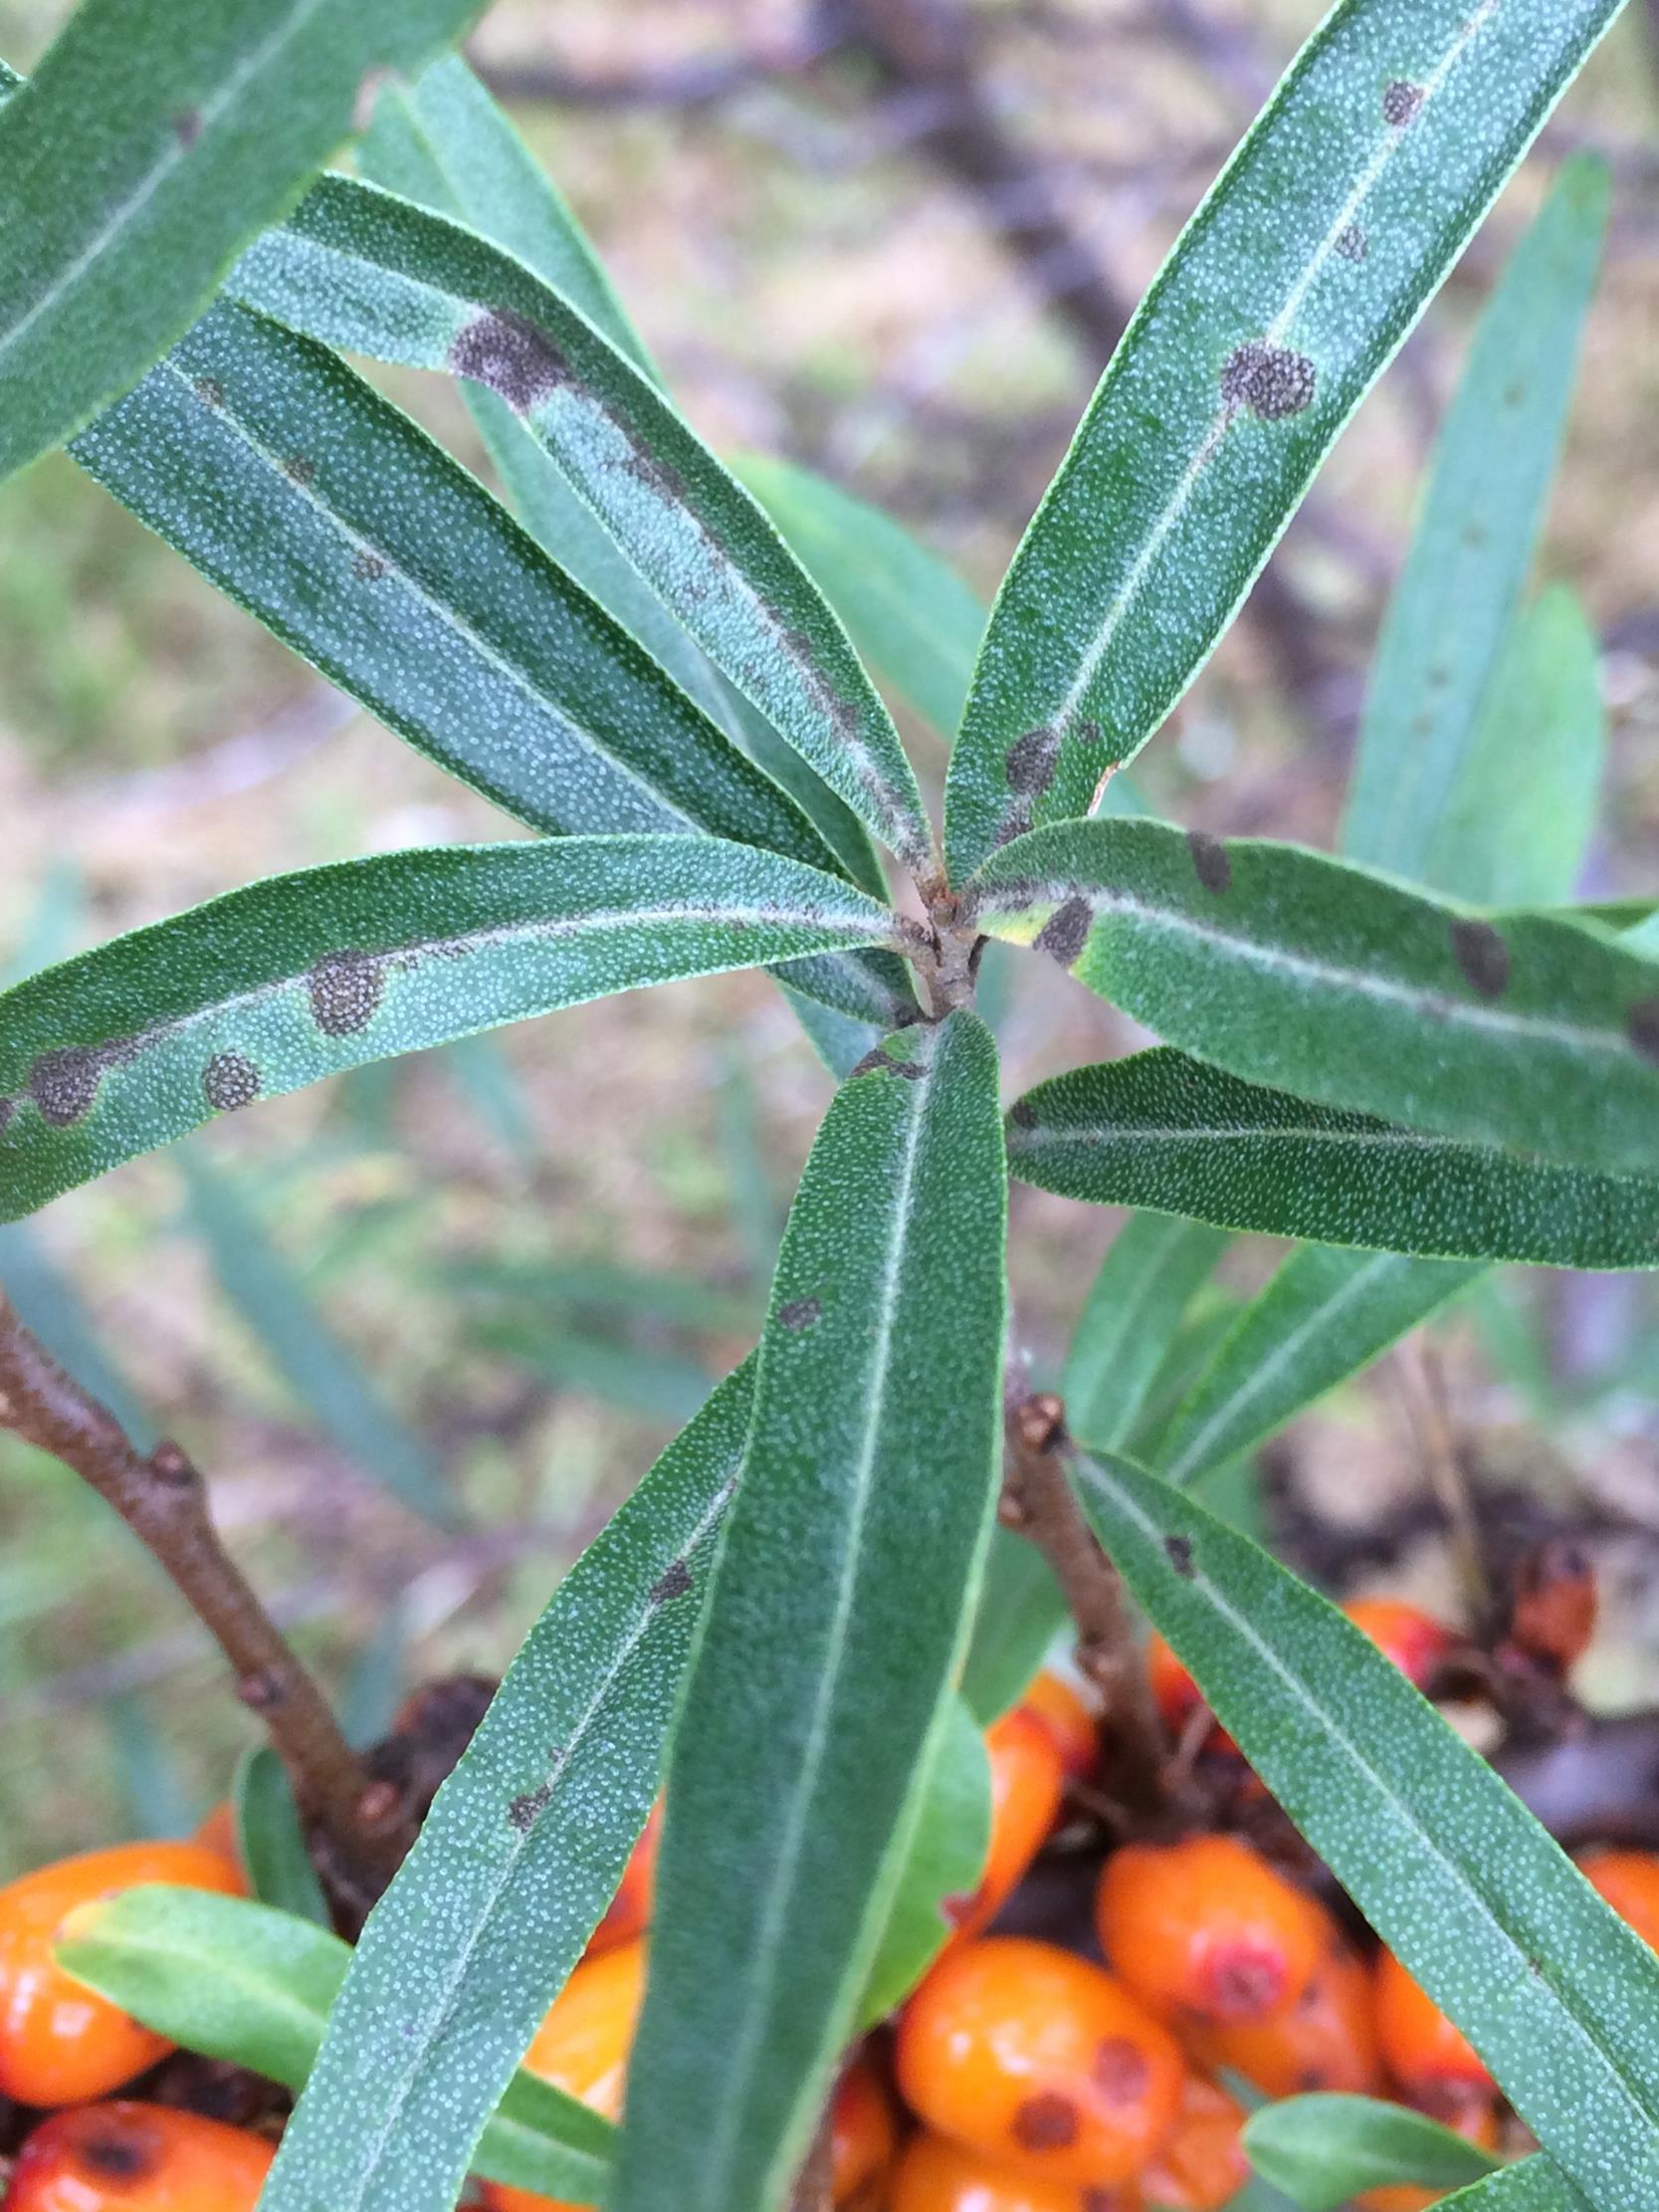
(742, 1890)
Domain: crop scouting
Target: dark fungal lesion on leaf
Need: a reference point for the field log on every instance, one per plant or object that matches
(209, 391)
(367, 565)
(507, 352)
(799, 1314)
(346, 990)
(1482, 956)
(299, 468)
(1179, 1552)
(1272, 381)
(1353, 243)
(1212, 862)
(63, 1082)
(524, 1812)
(230, 1080)
(1066, 931)
(879, 1061)
(1641, 1026)
(1032, 761)
(1401, 102)
(1023, 1113)
(676, 1583)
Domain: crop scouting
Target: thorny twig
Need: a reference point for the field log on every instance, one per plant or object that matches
(1038, 1500)
(163, 1498)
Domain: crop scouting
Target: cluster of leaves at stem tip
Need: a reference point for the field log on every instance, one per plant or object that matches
(1414, 1057)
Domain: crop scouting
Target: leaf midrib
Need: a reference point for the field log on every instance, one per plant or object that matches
(173, 152)
(785, 1862)
(1531, 1973)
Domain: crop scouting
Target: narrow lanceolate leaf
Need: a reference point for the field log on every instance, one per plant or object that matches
(1322, 2149)
(914, 619)
(1162, 1130)
(1461, 586)
(1019, 1614)
(152, 144)
(240, 1981)
(1314, 254)
(1536, 2184)
(1324, 1316)
(358, 268)
(275, 1856)
(1558, 1995)
(837, 1619)
(1134, 1311)
(1521, 811)
(946, 1858)
(519, 1856)
(326, 1379)
(1287, 968)
(270, 988)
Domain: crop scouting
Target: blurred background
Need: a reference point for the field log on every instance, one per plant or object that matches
(423, 1326)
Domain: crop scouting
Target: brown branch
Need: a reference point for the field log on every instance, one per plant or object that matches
(1038, 1500)
(1422, 1383)
(163, 1500)
(814, 2190)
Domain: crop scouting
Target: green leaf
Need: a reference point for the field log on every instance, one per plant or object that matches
(157, 1794)
(1324, 1316)
(1557, 1994)
(1287, 968)
(272, 1842)
(324, 1376)
(1322, 2149)
(246, 1983)
(519, 1856)
(1536, 2184)
(914, 619)
(1518, 820)
(644, 1379)
(1159, 1129)
(1019, 1614)
(946, 1858)
(149, 147)
(1460, 590)
(358, 268)
(273, 986)
(1289, 290)
(838, 1617)
(49, 1303)
(1146, 1284)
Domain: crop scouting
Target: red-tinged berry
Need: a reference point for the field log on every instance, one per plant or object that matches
(1415, 1640)
(1206, 1929)
(1326, 2041)
(1028, 1780)
(863, 2132)
(128, 2157)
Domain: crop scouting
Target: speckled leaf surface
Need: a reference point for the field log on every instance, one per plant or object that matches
(1162, 1130)
(1314, 252)
(358, 268)
(1558, 1995)
(1287, 968)
(1460, 589)
(1322, 1316)
(273, 986)
(1535, 2185)
(946, 1858)
(836, 1621)
(1132, 1316)
(519, 1856)
(1322, 2149)
(152, 142)
(243, 1982)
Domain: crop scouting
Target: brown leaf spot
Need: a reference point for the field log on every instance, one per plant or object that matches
(345, 989)
(506, 351)
(1353, 243)
(878, 1063)
(368, 565)
(1273, 381)
(675, 1584)
(1066, 931)
(656, 475)
(1047, 2122)
(62, 1084)
(1023, 1113)
(799, 1313)
(298, 468)
(1121, 2070)
(187, 127)
(230, 1080)
(1641, 1026)
(1401, 102)
(1483, 956)
(1032, 761)
(1212, 862)
(521, 1813)
(1088, 733)
(209, 391)
(1179, 1551)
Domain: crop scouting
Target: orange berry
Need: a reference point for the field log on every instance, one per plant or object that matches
(629, 1912)
(1433, 2062)
(1174, 1692)
(1202, 2165)
(217, 1832)
(1414, 1640)
(1207, 1929)
(1326, 2041)
(59, 2043)
(1552, 1613)
(582, 2048)
(936, 2175)
(862, 2131)
(1629, 1881)
(128, 2158)
(1479, 2122)
(1072, 1723)
(1040, 2060)
(1028, 1780)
